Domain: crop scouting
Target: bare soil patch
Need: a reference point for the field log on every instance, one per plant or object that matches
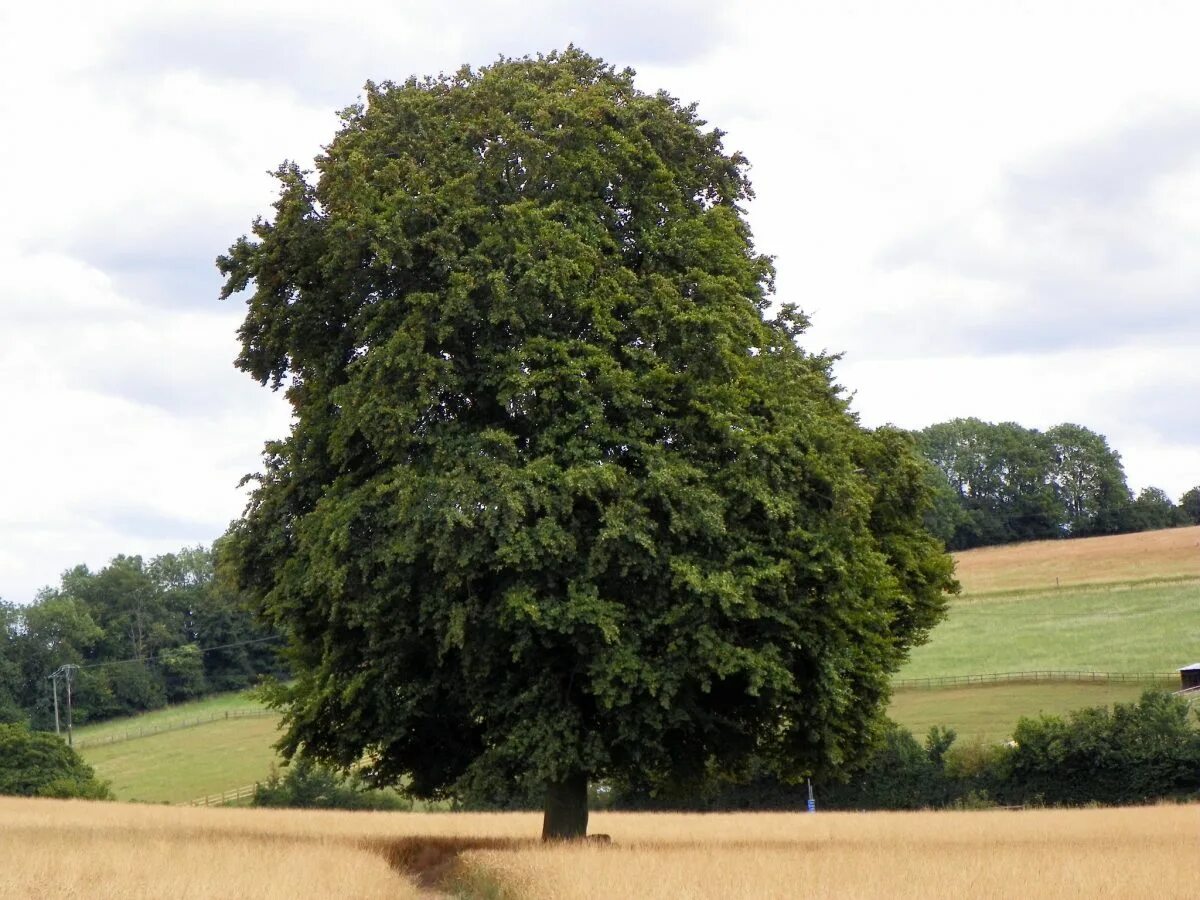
(432, 862)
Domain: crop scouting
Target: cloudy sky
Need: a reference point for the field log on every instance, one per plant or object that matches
(991, 209)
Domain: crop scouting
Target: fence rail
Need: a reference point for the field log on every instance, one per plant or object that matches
(1042, 675)
(130, 734)
(233, 795)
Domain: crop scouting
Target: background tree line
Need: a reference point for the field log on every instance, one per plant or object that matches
(1001, 483)
(141, 634)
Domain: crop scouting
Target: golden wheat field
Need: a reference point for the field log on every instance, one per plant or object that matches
(110, 850)
(1149, 555)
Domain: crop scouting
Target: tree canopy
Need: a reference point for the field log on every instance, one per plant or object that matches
(1000, 483)
(562, 498)
(36, 764)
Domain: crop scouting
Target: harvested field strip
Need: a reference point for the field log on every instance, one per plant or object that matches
(1042, 565)
(435, 862)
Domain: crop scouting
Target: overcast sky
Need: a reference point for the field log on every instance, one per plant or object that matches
(992, 209)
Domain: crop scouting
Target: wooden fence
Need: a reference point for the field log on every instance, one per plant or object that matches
(130, 734)
(233, 795)
(1040, 675)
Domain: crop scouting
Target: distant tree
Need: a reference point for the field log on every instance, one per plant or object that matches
(142, 633)
(947, 517)
(900, 774)
(1151, 511)
(128, 606)
(560, 500)
(183, 672)
(1001, 477)
(1089, 480)
(213, 616)
(998, 483)
(36, 764)
(11, 674)
(1189, 506)
(56, 629)
(1025, 499)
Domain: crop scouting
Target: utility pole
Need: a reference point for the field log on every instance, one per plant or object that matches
(54, 683)
(70, 733)
(64, 672)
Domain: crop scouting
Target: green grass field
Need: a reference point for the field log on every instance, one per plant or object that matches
(1129, 624)
(161, 756)
(989, 712)
(1133, 628)
(168, 717)
(181, 765)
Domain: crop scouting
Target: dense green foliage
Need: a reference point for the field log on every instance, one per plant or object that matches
(996, 484)
(307, 785)
(1189, 505)
(561, 499)
(36, 764)
(1134, 753)
(898, 773)
(136, 630)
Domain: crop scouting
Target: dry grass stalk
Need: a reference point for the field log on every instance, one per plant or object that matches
(1132, 853)
(73, 849)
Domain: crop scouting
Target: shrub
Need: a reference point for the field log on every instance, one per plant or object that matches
(37, 764)
(1136, 753)
(902, 774)
(307, 785)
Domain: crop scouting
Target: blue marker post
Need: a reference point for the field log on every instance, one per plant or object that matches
(812, 804)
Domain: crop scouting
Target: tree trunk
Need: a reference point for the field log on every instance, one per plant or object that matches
(566, 816)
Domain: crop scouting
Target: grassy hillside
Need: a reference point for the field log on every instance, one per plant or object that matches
(1128, 628)
(178, 766)
(169, 717)
(1127, 603)
(161, 756)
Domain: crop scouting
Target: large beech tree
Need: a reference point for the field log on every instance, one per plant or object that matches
(562, 499)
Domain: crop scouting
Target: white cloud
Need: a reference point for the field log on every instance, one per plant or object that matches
(114, 411)
(993, 210)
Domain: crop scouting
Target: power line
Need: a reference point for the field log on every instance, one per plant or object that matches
(203, 650)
